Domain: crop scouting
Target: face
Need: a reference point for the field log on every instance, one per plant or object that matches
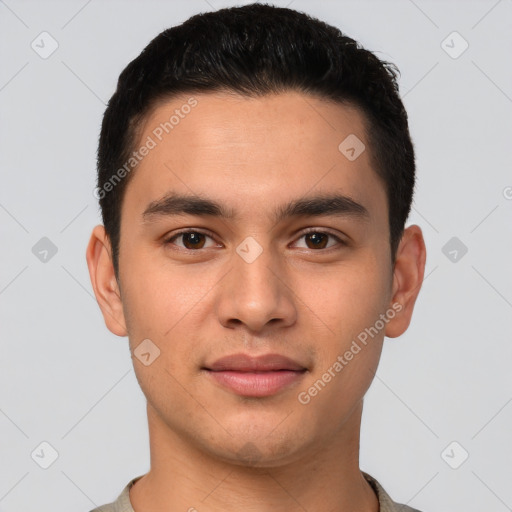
(246, 232)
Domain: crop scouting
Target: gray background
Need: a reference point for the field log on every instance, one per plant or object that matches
(66, 380)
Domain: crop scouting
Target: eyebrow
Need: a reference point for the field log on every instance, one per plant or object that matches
(189, 204)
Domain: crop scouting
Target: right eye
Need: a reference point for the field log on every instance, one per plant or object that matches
(190, 240)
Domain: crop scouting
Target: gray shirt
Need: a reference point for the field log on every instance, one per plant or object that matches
(386, 504)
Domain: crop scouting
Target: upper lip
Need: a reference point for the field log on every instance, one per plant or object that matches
(247, 363)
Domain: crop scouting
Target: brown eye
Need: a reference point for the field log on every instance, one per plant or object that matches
(190, 240)
(193, 240)
(316, 240)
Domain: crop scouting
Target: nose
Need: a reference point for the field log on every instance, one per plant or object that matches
(256, 295)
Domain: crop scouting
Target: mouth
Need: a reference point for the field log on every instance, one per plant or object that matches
(256, 376)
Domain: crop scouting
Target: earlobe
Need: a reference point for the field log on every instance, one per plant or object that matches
(104, 282)
(407, 279)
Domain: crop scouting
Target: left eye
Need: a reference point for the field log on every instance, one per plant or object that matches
(319, 240)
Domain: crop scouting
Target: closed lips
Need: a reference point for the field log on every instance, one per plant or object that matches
(265, 363)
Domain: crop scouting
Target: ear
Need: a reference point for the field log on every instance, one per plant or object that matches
(407, 279)
(104, 282)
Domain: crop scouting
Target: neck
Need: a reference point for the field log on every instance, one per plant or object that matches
(322, 477)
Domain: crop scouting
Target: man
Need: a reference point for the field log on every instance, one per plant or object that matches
(255, 173)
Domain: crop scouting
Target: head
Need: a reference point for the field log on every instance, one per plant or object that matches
(296, 248)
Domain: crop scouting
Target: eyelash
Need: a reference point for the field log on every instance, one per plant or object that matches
(169, 241)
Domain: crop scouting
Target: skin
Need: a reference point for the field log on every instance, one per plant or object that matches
(210, 448)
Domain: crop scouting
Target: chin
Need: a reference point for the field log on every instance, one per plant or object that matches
(261, 446)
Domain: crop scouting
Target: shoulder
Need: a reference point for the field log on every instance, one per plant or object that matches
(385, 502)
(122, 503)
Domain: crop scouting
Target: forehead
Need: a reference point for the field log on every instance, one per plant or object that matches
(250, 153)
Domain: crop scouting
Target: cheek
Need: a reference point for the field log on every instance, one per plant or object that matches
(347, 299)
(156, 299)
(164, 309)
(349, 345)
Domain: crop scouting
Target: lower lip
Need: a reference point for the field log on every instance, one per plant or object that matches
(257, 384)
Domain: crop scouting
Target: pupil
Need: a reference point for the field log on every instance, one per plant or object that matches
(192, 239)
(318, 239)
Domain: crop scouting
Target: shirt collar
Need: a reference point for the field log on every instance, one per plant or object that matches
(386, 504)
